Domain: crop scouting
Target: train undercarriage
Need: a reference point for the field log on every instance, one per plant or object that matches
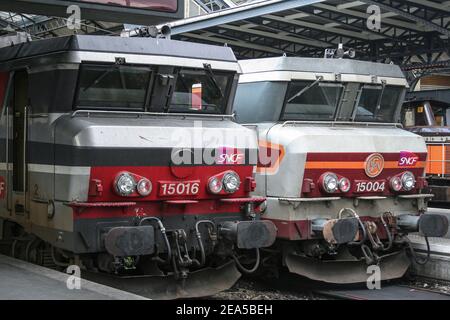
(349, 250)
(180, 263)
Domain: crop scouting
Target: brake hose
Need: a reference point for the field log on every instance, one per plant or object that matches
(163, 232)
(199, 239)
(245, 270)
(389, 235)
(364, 237)
(418, 260)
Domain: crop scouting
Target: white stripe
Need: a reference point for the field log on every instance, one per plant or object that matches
(44, 168)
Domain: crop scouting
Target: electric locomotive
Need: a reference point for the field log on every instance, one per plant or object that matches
(425, 113)
(343, 181)
(120, 155)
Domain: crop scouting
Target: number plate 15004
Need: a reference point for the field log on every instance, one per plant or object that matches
(179, 188)
(369, 186)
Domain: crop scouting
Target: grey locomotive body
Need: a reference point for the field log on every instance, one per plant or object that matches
(104, 159)
(343, 181)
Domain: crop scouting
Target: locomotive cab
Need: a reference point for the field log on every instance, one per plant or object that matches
(119, 155)
(344, 183)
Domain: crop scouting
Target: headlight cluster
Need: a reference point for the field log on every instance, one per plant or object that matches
(407, 181)
(332, 183)
(396, 184)
(404, 182)
(126, 185)
(229, 182)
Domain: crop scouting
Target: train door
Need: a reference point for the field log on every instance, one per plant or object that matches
(4, 82)
(19, 141)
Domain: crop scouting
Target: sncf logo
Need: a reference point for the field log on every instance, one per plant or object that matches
(374, 165)
(407, 159)
(230, 156)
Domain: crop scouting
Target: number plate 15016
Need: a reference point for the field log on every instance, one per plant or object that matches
(369, 186)
(179, 188)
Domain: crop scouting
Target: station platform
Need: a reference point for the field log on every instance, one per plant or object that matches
(20, 280)
(438, 267)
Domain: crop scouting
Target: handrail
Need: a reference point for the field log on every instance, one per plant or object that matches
(144, 113)
(333, 123)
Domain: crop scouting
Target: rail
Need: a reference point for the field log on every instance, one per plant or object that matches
(152, 114)
(336, 123)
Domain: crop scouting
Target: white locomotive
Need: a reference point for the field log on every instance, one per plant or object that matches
(103, 162)
(343, 180)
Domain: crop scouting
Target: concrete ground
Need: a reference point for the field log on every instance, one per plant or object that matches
(20, 280)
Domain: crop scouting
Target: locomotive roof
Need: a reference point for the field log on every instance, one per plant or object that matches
(124, 45)
(320, 65)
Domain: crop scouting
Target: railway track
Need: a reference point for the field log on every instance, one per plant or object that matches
(389, 292)
(292, 287)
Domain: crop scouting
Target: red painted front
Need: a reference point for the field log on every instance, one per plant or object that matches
(351, 166)
(163, 174)
(157, 209)
(101, 190)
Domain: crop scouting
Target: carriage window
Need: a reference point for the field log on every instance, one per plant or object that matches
(113, 87)
(367, 109)
(308, 100)
(201, 91)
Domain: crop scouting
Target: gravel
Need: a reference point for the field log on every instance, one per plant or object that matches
(250, 289)
(246, 289)
(429, 284)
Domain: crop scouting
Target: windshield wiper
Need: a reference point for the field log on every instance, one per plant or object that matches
(380, 97)
(298, 94)
(212, 78)
(101, 76)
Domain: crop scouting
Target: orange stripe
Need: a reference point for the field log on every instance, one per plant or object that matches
(355, 165)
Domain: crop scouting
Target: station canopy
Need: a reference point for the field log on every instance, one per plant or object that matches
(412, 33)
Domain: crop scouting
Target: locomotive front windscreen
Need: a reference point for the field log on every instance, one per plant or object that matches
(307, 100)
(325, 101)
(378, 104)
(113, 87)
(129, 88)
(201, 91)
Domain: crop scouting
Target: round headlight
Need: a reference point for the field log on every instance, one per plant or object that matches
(125, 184)
(231, 182)
(344, 185)
(330, 182)
(396, 184)
(144, 187)
(408, 181)
(214, 185)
